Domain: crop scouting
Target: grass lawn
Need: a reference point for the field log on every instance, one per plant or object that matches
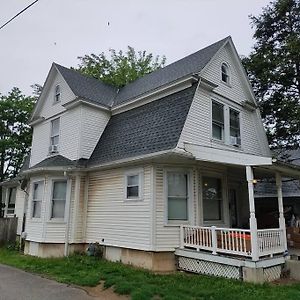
(140, 284)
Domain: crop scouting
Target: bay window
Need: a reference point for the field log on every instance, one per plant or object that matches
(58, 199)
(37, 198)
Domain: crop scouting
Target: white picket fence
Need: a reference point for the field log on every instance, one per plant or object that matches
(232, 241)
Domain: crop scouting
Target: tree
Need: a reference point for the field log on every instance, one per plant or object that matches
(274, 70)
(15, 133)
(120, 68)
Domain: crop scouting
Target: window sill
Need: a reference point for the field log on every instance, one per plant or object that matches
(176, 223)
(35, 220)
(226, 83)
(133, 199)
(220, 142)
(56, 221)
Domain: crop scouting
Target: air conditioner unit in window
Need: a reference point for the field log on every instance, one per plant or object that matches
(235, 141)
(53, 149)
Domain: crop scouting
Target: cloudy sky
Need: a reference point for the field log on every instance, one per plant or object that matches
(61, 30)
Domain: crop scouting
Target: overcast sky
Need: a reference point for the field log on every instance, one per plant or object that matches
(61, 30)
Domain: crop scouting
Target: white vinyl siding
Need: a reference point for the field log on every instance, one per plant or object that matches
(47, 109)
(93, 123)
(198, 126)
(80, 130)
(113, 221)
(45, 229)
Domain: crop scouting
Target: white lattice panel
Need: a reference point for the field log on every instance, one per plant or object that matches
(272, 273)
(208, 268)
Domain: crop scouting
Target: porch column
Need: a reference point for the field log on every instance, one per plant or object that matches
(280, 208)
(252, 220)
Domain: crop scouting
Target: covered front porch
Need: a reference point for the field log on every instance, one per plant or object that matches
(246, 250)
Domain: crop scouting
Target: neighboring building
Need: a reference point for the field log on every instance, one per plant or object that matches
(148, 169)
(265, 194)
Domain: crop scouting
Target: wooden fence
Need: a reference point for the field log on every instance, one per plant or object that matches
(8, 230)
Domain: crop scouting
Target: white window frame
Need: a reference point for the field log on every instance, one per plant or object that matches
(140, 174)
(227, 74)
(212, 121)
(189, 174)
(225, 211)
(52, 135)
(238, 143)
(67, 200)
(57, 94)
(37, 181)
(226, 132)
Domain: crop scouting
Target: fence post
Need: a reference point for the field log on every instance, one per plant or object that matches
(214, 240)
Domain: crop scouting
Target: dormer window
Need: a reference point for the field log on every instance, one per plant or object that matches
(225, 73)
(54, 138)
(57, 94)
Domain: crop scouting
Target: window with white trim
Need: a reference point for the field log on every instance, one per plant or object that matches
(58, 199)
(217, 121)
(37, 198)
(133, 185)
(234, 120)
(177, 196)
(57, 94)
(54, 137)
(225, 73)
(212, 199)
(11, 200)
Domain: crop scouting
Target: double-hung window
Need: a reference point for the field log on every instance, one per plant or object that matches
(225, 73)
(212, 199)
(37, 198)
(177, 196)
(11, 200)
(235, 137)
(57, 94)
(217, 121)
(133, 185)
(58, 199)
(54, 138)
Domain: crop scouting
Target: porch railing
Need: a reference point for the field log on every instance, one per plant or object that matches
(232, 241)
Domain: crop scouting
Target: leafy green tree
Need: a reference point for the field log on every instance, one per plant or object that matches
(15, 133)
(274, 70)
(119, 68)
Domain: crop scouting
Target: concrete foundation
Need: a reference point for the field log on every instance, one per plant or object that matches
(254, 275)
(50, 250)
(155, 261)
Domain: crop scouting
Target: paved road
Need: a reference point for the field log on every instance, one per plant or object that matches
(19, 285)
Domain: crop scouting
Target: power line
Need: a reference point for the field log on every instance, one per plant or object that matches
(19, 13)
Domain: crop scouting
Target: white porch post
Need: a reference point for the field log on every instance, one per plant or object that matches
(280, 208)
(252, 220)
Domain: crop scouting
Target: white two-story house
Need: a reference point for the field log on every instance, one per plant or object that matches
(159, 171)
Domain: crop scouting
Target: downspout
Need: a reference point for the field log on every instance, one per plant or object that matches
(67, 218)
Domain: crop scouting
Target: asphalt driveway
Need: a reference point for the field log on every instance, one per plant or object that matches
(19, 285)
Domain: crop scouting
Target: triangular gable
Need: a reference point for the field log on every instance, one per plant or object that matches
(45, 106)
(240, 85)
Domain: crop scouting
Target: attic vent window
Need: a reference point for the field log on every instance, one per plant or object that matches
(225, 73)
(57, 94)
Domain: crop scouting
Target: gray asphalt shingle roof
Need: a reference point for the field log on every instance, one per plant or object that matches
(94, 90)
(87, 87)
(188, 65)
(150, 128)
